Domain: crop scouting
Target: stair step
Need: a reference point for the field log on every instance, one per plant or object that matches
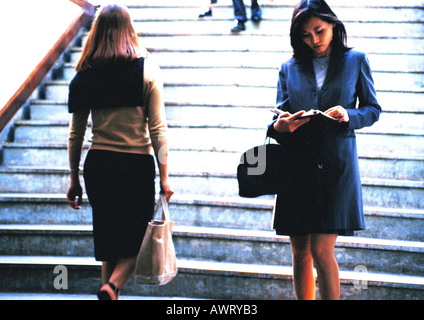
(269, 43)
(272, 4)
(391, 166)
(376, 192)
(222, 245)
(234, 139)
(243, 96)
(255, 96)
(201, 279)
(268, 60)
(227, 42)
(275, 11)
(268, 27)
(266, 77)
(80, 297)
(253, 117)
(402, 122)
(205, 211)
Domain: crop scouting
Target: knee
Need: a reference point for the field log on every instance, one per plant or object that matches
(302, 255)
(322, 255)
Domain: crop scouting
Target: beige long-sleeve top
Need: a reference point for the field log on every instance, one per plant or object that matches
(125, 129)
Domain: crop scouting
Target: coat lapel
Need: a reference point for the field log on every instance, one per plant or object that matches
(333, 68)
(308, 70)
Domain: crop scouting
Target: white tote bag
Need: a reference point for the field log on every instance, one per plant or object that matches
(156, 261)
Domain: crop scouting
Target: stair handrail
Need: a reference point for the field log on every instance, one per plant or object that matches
(39, 73)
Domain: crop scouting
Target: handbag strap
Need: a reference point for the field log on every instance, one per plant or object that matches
(162, 204)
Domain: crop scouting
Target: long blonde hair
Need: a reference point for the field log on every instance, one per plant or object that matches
(112, 38)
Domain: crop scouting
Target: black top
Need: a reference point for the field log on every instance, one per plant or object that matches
(111, 86)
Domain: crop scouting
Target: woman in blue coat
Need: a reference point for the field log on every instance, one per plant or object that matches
(326, 200)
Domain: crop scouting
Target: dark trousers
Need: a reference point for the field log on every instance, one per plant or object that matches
(240, 9)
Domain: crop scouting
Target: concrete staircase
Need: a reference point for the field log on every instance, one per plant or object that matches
(218, 87)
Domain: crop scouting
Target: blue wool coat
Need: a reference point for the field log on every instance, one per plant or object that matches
(330, 198)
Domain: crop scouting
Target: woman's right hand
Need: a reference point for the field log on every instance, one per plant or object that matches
(288, 122)
(166, 189)
(74, 196)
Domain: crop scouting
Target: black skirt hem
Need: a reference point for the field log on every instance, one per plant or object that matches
(340, 232)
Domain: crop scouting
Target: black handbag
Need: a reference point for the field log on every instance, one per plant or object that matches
(279, 168)
(264, 170)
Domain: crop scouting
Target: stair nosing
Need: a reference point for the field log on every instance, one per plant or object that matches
(240, 85)
(63, 145)
(376, 182)
(216, 201)
(186, 125)
(225, 234)
(222, 268)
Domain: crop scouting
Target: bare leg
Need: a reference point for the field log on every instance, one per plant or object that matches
(107, 270)
(322, 249)
(117, 273)
(124, 270)
(303, 277)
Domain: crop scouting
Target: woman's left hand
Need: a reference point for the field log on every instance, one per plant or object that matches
(166, 190)
(339, 113)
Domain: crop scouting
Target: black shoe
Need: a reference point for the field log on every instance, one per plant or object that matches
(105, 295)
(256, 14)
(239, 26)
(206, 14)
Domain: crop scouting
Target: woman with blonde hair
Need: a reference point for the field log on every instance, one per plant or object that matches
(119, 85)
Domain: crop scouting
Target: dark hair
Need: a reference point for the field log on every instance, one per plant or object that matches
(320, 9)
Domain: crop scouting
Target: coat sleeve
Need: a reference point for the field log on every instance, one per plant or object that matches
(282, 103)
(368, 110)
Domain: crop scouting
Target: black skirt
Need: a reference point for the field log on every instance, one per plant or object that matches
(121, 190)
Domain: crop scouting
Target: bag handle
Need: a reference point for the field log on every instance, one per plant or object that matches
(162, 204)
